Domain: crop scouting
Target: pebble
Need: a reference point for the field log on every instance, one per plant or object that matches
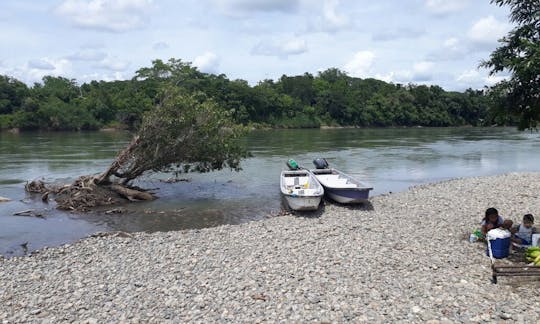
(506, 316)
(403, 258)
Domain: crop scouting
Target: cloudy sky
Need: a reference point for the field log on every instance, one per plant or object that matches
(418, 41)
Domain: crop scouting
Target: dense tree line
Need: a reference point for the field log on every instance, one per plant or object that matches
(329, 98)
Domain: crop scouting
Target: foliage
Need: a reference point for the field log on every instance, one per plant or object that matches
(5, 121)
(57, 87)
(12, 92)
(329, 98)
(58, 115)
(519, 54)
(182, 133)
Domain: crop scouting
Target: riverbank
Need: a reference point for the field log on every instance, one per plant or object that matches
(405, 258)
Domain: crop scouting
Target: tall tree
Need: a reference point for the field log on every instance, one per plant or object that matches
(182, 133)
(519, 54)
(12, 94)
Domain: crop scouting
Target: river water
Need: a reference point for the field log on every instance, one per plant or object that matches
(390, 160)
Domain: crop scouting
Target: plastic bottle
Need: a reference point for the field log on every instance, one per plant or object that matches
(473, 238)
(478, 234)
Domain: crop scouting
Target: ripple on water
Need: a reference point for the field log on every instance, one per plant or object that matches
(11, 181)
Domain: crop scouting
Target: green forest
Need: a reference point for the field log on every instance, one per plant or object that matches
(330, 98)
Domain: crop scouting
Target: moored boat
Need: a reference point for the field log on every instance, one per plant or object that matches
(301, 189)
(339, 186)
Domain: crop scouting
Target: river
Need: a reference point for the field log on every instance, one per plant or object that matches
(389, 159)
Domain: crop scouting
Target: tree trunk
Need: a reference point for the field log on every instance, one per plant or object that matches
(118, 163)
(131, 194)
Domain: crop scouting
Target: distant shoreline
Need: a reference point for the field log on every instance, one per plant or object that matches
(322, 127)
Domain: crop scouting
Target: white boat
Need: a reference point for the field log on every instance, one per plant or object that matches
(339, 186)
(301, 189)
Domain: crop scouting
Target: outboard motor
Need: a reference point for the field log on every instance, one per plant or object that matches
(320, 163)
(292, 164)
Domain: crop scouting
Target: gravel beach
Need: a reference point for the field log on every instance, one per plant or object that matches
(403, 258)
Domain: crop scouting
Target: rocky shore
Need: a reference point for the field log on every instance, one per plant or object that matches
(405, 258)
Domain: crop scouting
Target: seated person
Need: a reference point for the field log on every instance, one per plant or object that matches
(524, 231)
(493, 220)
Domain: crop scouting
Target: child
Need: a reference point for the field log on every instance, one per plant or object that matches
(524, 231)
(493, 220)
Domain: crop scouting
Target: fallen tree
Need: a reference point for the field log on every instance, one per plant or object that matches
(183, 133)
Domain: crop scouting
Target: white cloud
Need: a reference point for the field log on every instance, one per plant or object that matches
(454, 48)
(445, 7)
(326, 18)
(332, 18)
(394, 34)
(40, 65)
(61, 66)
(451, 49)
(451, 43)
(112, 64)
(115, 76)
(486, 31)
(476, 80)
(385, 77)
(108, 15)
(87, 54)
(294, 46)
(469, 76)
(422, 67)
(35, 70)
(207, 62)
(360, 64)
(281, 48)
(160, 46)
(422, 71)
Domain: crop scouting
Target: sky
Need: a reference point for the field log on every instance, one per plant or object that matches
(433, 42)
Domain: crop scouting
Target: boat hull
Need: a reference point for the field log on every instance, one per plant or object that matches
(348, 196)
(341, 187)
(301, 190)
(303, 203)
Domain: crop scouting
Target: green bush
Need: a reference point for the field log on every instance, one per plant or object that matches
(57, 115)
(6, 121)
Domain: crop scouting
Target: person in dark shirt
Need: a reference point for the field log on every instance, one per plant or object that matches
(492, 220)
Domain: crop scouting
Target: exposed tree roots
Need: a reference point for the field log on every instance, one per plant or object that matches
(85, 193)
(36, 186)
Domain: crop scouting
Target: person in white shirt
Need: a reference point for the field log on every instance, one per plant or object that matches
(524, 231)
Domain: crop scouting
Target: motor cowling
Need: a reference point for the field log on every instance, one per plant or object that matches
(320, 163)
(292, 165)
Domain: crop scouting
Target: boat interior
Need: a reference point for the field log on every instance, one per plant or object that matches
(335, 181)
(331, 178)
(300, 183)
